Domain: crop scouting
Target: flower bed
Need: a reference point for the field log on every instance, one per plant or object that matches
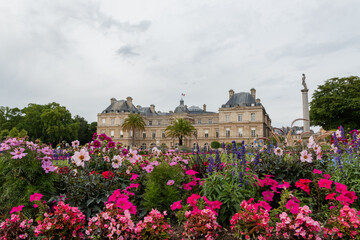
(266, 190)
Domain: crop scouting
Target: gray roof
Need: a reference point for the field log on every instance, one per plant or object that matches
(120, 106)
(147, 111)
(241, 99)
(181, 108)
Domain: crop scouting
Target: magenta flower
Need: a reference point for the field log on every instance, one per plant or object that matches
(36, 197)
(16, 209)
(176, 205)
(268, 195)
(192, 200)
(293, 206)
(191, 172)
(18, 153)
(324, 183)
(340, 187)
(330, 196)
(284, 185)
(134, 177)
(317, 171)
(187, 187)
(170, 182)
(96, 144)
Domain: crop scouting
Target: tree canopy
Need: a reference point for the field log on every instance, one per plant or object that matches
(180, 128)
(51, 123)
(335, 103)
(132, 123)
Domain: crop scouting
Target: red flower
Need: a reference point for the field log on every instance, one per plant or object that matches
(108, 174)
(330, 196)
(304, 185)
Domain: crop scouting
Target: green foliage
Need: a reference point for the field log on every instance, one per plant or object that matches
(86, 131)
(180, 129)
(215, 144)
(335, 103)
(226, 187)
(22, 177)
(158, 194)
(132, 123)
(4, 134)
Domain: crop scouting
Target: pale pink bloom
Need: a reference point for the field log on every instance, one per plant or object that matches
(4, 147)
(18, 153)
(155, 163)
(172, 163)
(75, 143)
(305, 156)
(48, 167)
(278, 151)
(81, 157)
(170, 182)
(47, 151)
(311, 142)
(106, 159)
(338, 133)
(149, 168)
(116, 161)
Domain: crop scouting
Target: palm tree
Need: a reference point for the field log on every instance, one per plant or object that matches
(133, 122)
(180, 129)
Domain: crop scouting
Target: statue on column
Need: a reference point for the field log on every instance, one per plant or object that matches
(303, 81)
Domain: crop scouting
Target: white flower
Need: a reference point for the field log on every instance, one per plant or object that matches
(305, 156)
(116, 161)
(80, 158)
(278, 151)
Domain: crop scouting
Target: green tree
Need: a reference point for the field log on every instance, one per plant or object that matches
(335, 103)
(180, 129)
(132, 123)
(32, 121)
(84, 132)
(10, 118)
(58, 124)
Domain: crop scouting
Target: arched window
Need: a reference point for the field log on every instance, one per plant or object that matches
(143, 146)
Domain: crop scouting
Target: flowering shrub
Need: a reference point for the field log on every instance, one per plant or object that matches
(345, 224)
(251, 220)
(65, 222)
(153, 226)
(17, 227)
(299, 225)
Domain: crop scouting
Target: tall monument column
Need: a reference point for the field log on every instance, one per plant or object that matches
(305, 105)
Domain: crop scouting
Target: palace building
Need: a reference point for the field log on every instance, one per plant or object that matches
(242, 117)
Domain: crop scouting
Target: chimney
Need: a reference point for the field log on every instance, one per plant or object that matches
(138, 106)
(129, 101)
(253, 93)
(204, 107)
(112, 100)
(231, 93)
(152, 108)
(258, 100)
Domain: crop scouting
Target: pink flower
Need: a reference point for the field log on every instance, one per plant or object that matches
(293, 206)
(340, 187)
(134, 177)
(317, 171)
(327, 176)
(187, 187)
(176, 205)
(278, 151)
(324, 183)
(36, 197)
(35, 206)
(18, 153)
(330, 196)
(192, 200)
(170, 182)
(75, 143)
(117, 161)
(284, 185)
(305, 156)
(268, 195)
(48, 167)
(16, 209)
(80, 157)
(191, 172)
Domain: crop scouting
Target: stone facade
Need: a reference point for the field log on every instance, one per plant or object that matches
(242, 117)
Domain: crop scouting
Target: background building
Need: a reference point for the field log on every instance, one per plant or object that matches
(242, 117)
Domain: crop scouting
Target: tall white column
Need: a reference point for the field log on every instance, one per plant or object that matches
(305, 103)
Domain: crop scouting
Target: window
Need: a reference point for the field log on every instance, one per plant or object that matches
(112, 121)
(206, 133)
(199, 121)
(227, 132)
(153, 135)
(253, 133)
(144, 135)
(121, 134)
(121, 121)
(103, 121)
(239, 117)
(252, 116)
(150, 123)
(217, 133)
(210, 121)
(163, 134)
(159, 122)
(131, 133)
(240, 132)
(227, 118)
(143, 146)
(112, 132)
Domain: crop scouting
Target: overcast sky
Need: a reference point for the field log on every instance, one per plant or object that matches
(82, 53)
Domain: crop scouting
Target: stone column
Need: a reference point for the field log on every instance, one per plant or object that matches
(305, 103)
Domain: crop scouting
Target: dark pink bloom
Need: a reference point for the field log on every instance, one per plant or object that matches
(340, 187)
(176, 205)
(191, 172)
(16, 209)
(192, 183)
(284, 185)
(317, 171)
(293, 206)
(192, 200)
(268, 195)
(36, 197)
(330, 196)
(187, 187)
(327, 176)
(265, 205)
(324, 183)
(134, 177)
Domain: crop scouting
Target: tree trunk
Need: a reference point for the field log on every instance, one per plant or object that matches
(133, 137)
(180, 141)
